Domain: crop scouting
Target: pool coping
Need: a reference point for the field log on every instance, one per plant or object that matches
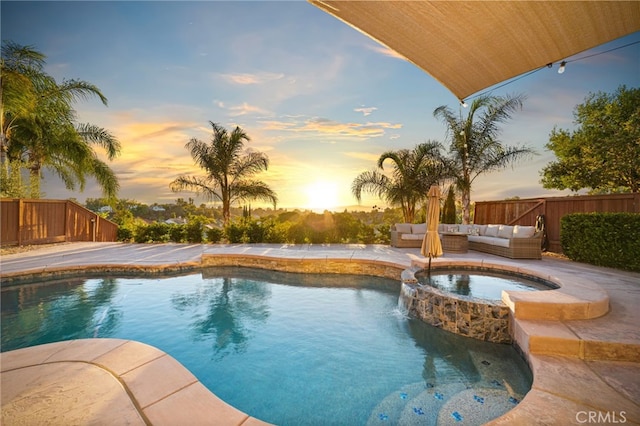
(601, 381)
(161, 390)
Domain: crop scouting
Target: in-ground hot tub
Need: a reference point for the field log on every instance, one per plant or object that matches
(466, 301)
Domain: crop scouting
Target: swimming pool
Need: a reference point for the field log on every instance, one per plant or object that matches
(286, 348)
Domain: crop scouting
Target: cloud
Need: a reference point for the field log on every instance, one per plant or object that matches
(385, 51)
(245, 108)
(367, 156)
(365, 110)
(246, 78)
(324, 126)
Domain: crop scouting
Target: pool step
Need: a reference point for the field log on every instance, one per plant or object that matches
(556, 338)
(451, 403)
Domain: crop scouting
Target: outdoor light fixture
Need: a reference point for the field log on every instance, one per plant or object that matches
(562, 65)
(463, 103)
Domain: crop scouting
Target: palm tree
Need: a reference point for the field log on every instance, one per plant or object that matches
(229, 170)
(414, 171)
(475, 148)
(19, 66)
(38, 124)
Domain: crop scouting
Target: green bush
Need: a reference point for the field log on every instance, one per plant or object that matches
(176, 233)
(603, 239)
(194, 229)
(235, 232)
(256, 231)
(383, 233)
(367, 235)
(124, 234)
(154, 233)
(214, 235)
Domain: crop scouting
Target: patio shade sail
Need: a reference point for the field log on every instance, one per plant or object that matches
(469, 46)
(431, 245)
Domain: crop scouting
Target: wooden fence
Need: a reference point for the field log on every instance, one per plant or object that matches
(25, 222)
(525, 211)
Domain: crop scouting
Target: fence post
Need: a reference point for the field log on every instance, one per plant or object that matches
(20, 221)
(67, 210)
(94, 221)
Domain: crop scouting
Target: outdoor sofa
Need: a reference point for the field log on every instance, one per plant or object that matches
(515, 242)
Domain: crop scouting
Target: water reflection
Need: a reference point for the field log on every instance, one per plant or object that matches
(229, 304)
(60, 310)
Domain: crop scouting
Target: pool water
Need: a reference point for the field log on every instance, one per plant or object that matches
(290, 349)
(481, 284)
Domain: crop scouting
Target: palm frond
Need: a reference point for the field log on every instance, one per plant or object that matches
(372, 182)
(198, 185)
(248, 190)
(101, 137)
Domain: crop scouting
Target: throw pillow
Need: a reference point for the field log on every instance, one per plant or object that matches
(481, 229)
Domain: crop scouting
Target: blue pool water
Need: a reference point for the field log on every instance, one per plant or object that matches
(481, 284)
(290, 349)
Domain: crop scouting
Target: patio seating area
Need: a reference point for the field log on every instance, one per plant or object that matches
(579, 365)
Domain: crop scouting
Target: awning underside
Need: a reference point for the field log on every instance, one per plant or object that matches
(469, 46)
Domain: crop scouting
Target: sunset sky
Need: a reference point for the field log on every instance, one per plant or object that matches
(319, 98)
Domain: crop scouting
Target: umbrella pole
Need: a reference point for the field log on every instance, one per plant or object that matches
(429, 269)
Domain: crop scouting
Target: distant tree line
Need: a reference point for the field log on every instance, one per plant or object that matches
(204, 223)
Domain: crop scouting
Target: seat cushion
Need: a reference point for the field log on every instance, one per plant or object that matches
(494, 241)
(412, 236)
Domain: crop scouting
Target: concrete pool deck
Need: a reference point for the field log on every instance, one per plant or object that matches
(585, 370)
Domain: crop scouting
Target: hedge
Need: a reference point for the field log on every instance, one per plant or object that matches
(603, 239)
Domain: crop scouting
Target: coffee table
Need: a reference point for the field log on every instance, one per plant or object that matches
(454, 242)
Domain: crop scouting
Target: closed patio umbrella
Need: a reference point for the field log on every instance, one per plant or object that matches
(431, 246)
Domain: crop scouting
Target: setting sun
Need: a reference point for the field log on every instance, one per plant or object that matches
(322, 195)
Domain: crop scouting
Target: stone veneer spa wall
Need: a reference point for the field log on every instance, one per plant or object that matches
(467, 316)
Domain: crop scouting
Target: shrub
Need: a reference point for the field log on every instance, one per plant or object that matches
(214, 235)
(176, 233)
(154, 233)
(603, 239)
(367, 235)
(235, 232)
(194, 229)
(256, 231)
(124, 234)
